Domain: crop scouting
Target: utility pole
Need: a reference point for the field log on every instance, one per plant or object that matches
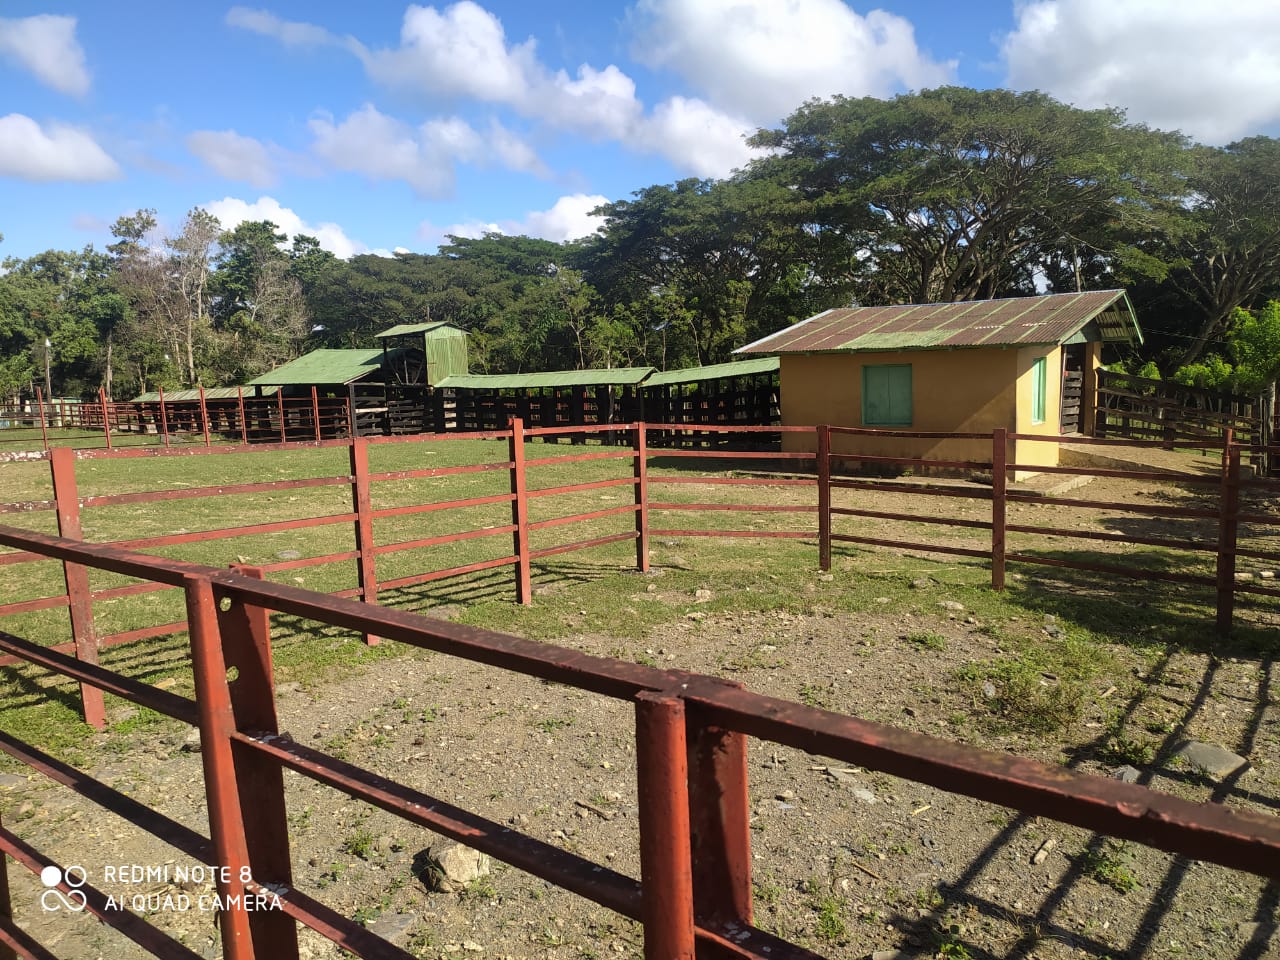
(48, 381)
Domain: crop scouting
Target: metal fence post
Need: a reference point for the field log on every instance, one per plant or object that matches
(640, 470)
(164, 419)
(999, 503)
(106, 417)
(719, 814)
(62, 462)
(666, 861)
(44, 428)
(6, 908)
(204, 417)
(824, 496)
(246, 643)
(1228, 527)
(520, 513)
(362, 506)
(222, 793)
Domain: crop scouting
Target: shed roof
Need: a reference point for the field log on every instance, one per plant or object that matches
(182, 396)
(1016, 321)
(324, 367)
(404, 329)
(714, 371)
(555, 378)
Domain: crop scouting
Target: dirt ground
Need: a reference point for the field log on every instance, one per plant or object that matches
(848, 862)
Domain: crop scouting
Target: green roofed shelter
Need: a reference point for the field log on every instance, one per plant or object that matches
(714, 371)
(187, 396)
(323, 368)
(617, 376)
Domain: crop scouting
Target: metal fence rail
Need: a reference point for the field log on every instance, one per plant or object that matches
(694, 894)
(844, 506)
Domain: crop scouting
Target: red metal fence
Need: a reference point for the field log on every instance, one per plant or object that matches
(202, 418)
(694, 894)
(1218, 507)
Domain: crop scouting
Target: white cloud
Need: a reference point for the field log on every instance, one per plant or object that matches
(234, 156)
(289, 32)
(384, 148)
(232, 211)
(1208, 69)
(697, 137)
(568, 219)
(763, 58)
(462, 51)
(47, 46)
(55, 153)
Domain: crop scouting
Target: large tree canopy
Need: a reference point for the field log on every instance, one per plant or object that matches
(956, 194)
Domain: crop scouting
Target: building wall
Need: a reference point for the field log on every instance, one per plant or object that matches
(1028, 451)
(953, 391)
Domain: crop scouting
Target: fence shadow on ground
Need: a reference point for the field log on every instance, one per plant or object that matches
(1045, 922)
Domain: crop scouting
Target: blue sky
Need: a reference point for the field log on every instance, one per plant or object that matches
(380, 126)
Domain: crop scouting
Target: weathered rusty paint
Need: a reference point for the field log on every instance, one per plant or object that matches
(16, 942)
(246, 643)
(520, 513)
(76, 577)
(362, 505)
(106, 416)
(1232, 837)
(666, 862)
(719, 812)
(738, 507)
(222, 792)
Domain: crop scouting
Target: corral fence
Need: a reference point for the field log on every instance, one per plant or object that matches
(1217, 534)
(202, 418)
(694, 893)
(1143, 409)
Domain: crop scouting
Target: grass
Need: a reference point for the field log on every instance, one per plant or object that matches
(1109, 864)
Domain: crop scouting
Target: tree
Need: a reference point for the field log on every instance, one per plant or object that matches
(191, 260)
(1220, 242)
(955, 194)
(721, 248)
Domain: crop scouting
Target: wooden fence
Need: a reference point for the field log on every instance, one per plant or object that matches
(1141, 409)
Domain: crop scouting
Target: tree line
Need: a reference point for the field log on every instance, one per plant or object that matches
(947, 194)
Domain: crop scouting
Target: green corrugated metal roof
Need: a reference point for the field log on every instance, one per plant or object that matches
(210, 393)
(715, 371)
(404, 329)
(557, 378)
(325, 367)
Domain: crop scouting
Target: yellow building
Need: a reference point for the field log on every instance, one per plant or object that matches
(1027, 364)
